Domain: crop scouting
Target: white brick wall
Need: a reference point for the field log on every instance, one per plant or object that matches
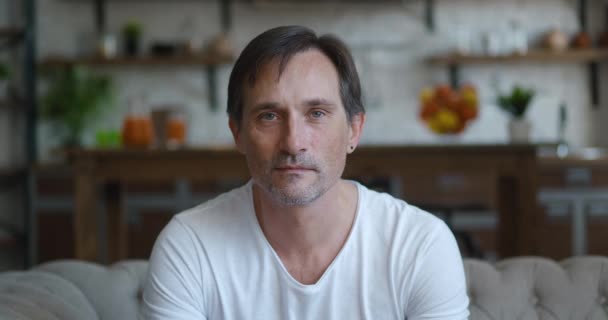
(389, 43)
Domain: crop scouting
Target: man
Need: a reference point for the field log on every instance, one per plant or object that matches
(297, 241)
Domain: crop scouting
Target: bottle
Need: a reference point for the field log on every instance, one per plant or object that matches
(562, 146)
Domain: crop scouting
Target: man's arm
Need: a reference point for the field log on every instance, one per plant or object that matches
(174, 287)
(439, 290)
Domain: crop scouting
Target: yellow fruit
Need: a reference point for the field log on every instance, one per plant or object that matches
(426, 95)
(435, 125)
(470, 98)
(448, 120)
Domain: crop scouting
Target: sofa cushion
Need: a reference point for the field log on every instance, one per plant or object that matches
(538, 288)
(40, 295)
(114, 291)
(589, 277)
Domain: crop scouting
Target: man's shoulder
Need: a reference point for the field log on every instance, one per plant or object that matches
(392, 212)
(223, 208)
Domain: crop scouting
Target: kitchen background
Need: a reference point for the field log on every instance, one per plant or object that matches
(389, 40)
(390, 43)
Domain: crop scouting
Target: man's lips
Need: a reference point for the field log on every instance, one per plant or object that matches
(296, 168)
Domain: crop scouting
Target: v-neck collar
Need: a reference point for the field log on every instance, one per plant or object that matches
(285, 273)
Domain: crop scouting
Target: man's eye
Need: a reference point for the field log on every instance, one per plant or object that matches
(268, 116)
(317, 114)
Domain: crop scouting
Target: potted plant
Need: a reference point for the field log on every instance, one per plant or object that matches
(131, 32)
(4, 75)
(74, 98)
(515, 104)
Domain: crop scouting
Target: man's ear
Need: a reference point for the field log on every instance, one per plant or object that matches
(356, 129)
(236, 131)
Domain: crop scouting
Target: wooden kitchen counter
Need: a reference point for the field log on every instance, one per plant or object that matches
(510, 170)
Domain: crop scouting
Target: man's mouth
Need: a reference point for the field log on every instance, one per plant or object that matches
(293, 168)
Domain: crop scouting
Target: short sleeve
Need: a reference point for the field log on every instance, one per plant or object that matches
(439, 288)
(174, 286)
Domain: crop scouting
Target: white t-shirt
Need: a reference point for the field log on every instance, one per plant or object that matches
(214, 262)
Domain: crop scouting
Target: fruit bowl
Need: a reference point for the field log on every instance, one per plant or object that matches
(446, 110)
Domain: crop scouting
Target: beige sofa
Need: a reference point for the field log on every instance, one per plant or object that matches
(519, 288)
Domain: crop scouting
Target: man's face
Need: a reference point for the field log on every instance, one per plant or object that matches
(294, 130)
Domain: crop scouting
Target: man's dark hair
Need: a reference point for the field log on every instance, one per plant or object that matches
(283, 43)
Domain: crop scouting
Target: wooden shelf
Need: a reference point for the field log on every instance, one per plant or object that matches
(205, 60)
(210, 61)
(536, 56)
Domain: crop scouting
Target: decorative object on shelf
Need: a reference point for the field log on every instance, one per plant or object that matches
(515, 104)
(492, 44)
(107, 139)
(176, 129)
(581, 40)
(163, 49)
(555, 40)
(219, 46)
(107, 46)
(131, 33)
(518, 38)
(448, 111)
(4, 76)
(169, 126)
(74, 98)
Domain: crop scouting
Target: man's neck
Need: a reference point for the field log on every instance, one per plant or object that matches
(316, 231)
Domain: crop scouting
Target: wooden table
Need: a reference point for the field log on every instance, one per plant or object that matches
(511, 170)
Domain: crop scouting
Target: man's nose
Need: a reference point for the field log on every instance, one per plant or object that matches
(294, 137)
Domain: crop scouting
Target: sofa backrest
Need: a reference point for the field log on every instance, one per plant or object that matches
(42, 295)
(518, 288)
(115, 292)
(538, 288)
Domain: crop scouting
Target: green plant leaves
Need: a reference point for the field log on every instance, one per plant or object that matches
(517, 102)
(4, 71)
(74, 98)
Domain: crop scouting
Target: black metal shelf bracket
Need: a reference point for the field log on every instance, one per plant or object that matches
(594, 83)
(429, 14)
(100, 16)
(582, 14)
(225, 15)
(212, 88)
(454, 75)
(593, 67)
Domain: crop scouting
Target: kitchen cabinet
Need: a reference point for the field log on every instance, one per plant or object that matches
(574, 192)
